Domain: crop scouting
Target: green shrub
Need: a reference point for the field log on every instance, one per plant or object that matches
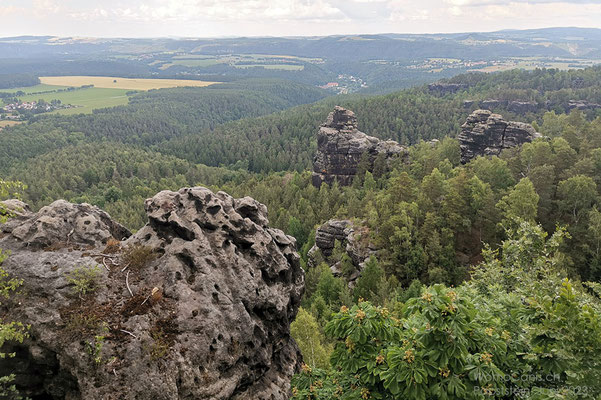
(84, 279)
(137, 256)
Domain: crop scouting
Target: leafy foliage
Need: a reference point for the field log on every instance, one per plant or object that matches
(9, 331)
(84, 279)
(517, 327)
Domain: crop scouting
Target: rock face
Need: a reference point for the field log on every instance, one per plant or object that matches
(207, 317)
(487, 134)
(349, 236)
(14, 208)
(582, 105)
(493, 103)
(522, 107)
(340, 146)
(446, 88)
(62, 222)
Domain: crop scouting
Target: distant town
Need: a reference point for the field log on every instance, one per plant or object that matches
(345, 84)
(23, 110)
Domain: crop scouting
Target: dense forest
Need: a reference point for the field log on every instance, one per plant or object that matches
(155, 116)
(17, 80)
(482, 274)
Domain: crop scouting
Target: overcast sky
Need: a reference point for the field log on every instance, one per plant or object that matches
(206, 18)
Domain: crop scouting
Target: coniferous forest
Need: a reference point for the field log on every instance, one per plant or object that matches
(485, 277)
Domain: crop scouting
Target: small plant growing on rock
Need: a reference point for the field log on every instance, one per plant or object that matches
(84, 279)
(94, 347)
(160, 346)
(137, 256)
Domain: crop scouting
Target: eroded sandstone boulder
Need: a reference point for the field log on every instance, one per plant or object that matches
(61, 223)
(340, 146)
(14, 208)
(207, 317)
(488, 134)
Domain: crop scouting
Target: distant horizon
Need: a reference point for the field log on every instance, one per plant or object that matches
(284, 18)
(177, 37)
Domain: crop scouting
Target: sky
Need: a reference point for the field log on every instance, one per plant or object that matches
(219, 18)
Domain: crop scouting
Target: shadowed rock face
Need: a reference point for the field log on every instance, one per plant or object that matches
(349, 236)
(340, 146)
(209, 316)
(488, 134)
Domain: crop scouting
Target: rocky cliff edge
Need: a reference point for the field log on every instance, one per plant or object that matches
(195, 305)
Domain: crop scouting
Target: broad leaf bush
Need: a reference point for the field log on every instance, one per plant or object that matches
(519, 329)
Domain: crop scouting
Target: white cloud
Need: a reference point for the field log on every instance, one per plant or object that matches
(45, 7)
(8, 10)
(187, 10)
(287, 17)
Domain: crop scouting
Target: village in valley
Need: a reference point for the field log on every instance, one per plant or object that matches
(345, 84)
(23, 110)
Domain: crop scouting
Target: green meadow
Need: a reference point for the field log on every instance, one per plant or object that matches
(87, 99)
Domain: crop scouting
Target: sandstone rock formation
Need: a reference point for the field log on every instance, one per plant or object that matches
(349, 236)
(213, 291)
(446, 88)
(516, 106)
(62, 222)
(522, 107)
(14, 207)
(489, 104)
(582, 105)
(340, 146)
(487, 134)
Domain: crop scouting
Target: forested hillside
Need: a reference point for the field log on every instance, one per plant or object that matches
(155, 116)
(530, 219)
(187, 124)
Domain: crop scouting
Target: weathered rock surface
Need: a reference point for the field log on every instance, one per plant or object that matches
(349, 237)
(488, 134)
(340, 146)
(522, 107)
(493, 103)
(582, 105)
(208, 317)
(446, 88)
(62, 222)
(14, 207)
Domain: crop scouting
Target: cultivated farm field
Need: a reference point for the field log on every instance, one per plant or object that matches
(111, 82)
(4, 124)
(86, 100)
(107, 91)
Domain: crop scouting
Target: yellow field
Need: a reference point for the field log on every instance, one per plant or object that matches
(111, 82)
(8, 123)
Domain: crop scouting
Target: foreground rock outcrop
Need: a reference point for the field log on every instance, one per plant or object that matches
(195, 305)
(340, 146)
(488, 134)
